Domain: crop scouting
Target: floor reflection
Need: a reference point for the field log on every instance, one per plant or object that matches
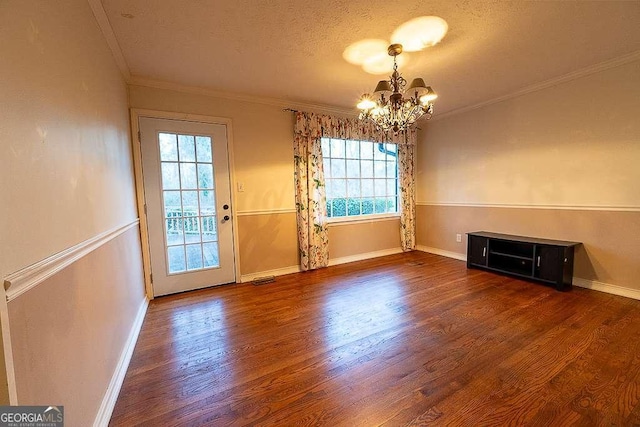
(200, 342)
(365, 314)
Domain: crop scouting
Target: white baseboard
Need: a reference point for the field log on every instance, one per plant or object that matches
(111, 396)
(366, 255)
(607, 288)
(441, 252)
(335, 261)
(577, 281)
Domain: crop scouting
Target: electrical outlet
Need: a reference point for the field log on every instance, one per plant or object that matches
(240, 187)
(458, 238)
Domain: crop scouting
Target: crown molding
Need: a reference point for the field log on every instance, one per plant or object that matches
(110, 37)
(197, 90)
(574, 75)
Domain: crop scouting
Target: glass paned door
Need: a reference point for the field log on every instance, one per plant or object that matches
(186, 180)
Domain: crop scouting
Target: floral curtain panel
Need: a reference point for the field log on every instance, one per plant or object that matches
(406, 176)
(311, 208)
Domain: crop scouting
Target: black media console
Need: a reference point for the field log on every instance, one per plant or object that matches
(542, 260)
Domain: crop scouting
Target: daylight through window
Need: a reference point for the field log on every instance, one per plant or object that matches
(361, 177)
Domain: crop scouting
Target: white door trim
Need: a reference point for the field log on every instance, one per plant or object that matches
(136, 114)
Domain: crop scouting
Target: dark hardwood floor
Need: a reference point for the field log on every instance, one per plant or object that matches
(408, 339)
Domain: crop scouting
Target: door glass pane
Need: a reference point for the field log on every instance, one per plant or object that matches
(170, 178)
(203, 149)
(176, 259)
(210, 255)
(187, 148)
(194, 257)
(209, 232)
(189, 202)
(205, 175)
(207, 206)
(175, 234)
(168, 147)
(172, 204)
(192, 229)
(188, 175)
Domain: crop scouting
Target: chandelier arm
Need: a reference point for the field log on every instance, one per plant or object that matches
(396, 112)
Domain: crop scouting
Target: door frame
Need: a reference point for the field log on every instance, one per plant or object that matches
(136, 114)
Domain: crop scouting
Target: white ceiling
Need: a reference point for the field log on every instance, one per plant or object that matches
(292, 49)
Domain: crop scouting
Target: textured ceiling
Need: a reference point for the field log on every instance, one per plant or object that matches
(292, 50)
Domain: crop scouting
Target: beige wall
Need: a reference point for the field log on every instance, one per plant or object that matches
(262, 142)
(263, 161)
(363, 237)
(267, 242)
(66, 173)
(69, 331)
(610, 239)
(65, 152)
(575, 145)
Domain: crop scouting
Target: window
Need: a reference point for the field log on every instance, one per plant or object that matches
(361, 177)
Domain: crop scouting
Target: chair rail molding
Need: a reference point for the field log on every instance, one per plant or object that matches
(27, 278)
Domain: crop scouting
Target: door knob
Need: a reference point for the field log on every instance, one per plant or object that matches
(226, 218)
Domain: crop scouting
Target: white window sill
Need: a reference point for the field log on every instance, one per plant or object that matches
(332, 222)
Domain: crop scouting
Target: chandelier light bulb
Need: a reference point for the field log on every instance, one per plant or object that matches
(366, 103)
(429, 96)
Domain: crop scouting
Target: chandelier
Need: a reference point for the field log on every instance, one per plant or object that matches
(392, 108)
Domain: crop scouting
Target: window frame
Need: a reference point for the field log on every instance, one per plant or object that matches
(364, 218)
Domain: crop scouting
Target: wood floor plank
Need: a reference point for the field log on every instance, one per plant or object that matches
(408, 339)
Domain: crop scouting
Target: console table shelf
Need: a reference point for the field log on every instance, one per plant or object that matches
(543, 260)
